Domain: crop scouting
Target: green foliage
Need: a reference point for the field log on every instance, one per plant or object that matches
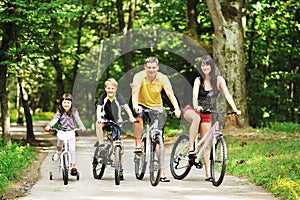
(13, 160)
(271, 43)
(269, 159)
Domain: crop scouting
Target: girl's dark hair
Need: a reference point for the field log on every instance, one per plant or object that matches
(206, 59)
(66, 96)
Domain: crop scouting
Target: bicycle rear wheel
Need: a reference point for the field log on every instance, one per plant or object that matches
(218, 161)
(140, 161)
(98, 165)
(156, 160)
(117, 153)
(179, 162)
(65, 169)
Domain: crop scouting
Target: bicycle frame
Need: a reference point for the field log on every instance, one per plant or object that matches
(65, 137)
(207, 138)
(148, 136)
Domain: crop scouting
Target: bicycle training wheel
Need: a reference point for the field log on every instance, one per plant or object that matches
(117, 153)
(98, 165)
(140, 161)
(179, 162)
(65, 169)
(156, 156)
(218, 161)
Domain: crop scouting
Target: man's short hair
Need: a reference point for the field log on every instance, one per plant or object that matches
(151, 59)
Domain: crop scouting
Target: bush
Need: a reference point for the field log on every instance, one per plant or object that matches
(13, 159)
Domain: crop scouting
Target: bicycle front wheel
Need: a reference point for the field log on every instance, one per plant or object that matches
(156, 160)
(179, 162)
(218, 161)
(65, 169)
(98, 165)
(140, 161)
(117, 153)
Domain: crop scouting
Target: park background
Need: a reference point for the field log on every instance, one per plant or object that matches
(255, 44)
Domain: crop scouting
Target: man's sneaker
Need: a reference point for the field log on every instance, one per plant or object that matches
(56, 156)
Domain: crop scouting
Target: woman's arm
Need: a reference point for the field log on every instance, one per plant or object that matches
(195, 94)
(223, 87)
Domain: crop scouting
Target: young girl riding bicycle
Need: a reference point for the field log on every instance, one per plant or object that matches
(67, 117)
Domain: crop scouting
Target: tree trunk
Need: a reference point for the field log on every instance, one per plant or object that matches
(126, 44)
(5, 120)
(30, 137)
(228, 52)
(7, 39)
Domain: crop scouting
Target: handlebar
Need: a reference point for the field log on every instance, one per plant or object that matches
(208, 111)
(56, 130)
(119, 123)
(148, 110)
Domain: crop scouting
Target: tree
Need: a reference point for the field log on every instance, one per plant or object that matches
(228, 49)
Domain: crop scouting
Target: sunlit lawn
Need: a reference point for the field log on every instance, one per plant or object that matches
(269, 159)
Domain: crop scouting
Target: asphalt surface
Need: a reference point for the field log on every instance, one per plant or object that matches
(192, 187)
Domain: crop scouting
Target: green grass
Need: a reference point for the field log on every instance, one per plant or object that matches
(267, 158)
(13, 160)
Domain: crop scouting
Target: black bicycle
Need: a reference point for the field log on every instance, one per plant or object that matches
(113, 144)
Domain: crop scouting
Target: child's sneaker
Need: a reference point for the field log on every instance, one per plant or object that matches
(74, 171)
(56, 156)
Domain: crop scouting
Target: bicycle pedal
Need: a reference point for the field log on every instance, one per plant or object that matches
(199, 165)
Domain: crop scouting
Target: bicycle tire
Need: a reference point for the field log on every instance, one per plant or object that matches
(218, 162)
(140, 161)
(156, 161)
(179, 161)
(98, 166)
(117, 153)
(65, 169)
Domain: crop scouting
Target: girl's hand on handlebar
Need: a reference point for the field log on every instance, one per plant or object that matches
(47, 128)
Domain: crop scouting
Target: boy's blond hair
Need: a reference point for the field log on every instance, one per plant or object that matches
(111, 81)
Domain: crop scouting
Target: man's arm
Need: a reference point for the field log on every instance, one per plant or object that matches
(174, 102)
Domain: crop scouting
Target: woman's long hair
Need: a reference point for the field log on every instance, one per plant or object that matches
(66, 96)
(206, 59)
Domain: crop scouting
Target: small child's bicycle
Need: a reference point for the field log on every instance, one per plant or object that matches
(113, 144)
(65, 155)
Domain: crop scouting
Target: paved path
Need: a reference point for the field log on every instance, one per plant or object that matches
(192, 187)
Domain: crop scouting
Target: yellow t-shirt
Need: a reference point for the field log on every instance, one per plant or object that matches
(150, 92)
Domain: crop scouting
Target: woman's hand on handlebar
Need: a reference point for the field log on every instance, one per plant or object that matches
(238, 112)
(177, 113)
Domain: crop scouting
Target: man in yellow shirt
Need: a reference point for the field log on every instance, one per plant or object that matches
(146, 93)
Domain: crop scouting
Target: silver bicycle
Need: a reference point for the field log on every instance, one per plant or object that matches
(181, 163)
